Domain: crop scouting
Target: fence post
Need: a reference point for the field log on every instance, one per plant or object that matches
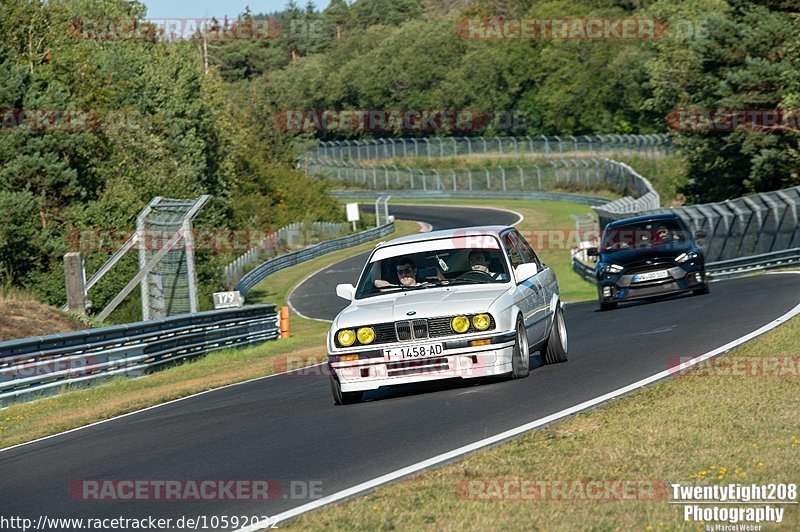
(75, 279)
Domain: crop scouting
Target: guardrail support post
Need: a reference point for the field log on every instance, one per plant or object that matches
(75, 278)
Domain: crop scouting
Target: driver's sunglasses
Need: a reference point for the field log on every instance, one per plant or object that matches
(405, 271)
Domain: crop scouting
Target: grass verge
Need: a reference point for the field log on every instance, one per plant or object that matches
(706, 430)
(74, 408)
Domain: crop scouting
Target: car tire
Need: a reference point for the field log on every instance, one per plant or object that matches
(520, 357)
(344, 398)
(555, 350)
(608, 306)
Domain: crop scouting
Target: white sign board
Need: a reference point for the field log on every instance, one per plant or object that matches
(228, 299)
(352, 212)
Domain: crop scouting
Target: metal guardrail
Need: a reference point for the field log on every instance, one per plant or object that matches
(268, 267)
(287, 236)
(39, 366)
(753, 263)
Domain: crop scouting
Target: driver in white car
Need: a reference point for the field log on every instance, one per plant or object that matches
(479, 261)
(407, 274)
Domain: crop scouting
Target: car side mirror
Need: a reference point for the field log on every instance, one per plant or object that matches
(592, 252)
(526, 271)
(345, 291)
(700, 234)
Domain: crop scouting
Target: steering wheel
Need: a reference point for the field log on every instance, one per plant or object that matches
(478, 275)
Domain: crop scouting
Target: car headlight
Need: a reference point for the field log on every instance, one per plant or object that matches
(460, 324)
(683, 257)
(346, 337)
(611, 268)
(366, 335)
(481, 321)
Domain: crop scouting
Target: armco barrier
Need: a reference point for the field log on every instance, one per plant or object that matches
(34, 367)
(268, 267)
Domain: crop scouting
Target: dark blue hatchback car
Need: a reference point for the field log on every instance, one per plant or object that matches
(646, 257)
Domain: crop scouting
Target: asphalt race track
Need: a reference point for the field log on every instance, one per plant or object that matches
(286, 427)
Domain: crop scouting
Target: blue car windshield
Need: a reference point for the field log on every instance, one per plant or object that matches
(656, 233)
(429, 269)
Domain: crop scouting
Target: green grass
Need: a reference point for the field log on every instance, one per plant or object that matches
(667, 175)
(698, 431)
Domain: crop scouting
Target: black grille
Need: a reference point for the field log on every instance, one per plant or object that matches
(420, 328)
(440, 327)
(645, 268)
(403, 329)
(384, 333)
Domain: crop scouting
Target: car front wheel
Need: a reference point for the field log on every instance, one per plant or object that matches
(344, 398)
(520, 361)
(555, 350)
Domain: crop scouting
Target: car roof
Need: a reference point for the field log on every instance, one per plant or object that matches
(645, 218)
(494, 230)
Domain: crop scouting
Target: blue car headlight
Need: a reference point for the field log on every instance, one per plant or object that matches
(683, 257)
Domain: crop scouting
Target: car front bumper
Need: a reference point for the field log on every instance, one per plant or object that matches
(456, 361)
(618, 288)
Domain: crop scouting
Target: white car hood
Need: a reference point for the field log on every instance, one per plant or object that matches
(425, 303)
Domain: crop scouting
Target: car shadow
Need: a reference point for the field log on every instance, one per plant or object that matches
(649, 301)
(399, 391)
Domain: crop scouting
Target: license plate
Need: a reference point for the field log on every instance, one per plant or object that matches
(415, 351)
(649, 276)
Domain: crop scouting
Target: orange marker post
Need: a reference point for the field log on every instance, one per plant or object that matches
(284, 322)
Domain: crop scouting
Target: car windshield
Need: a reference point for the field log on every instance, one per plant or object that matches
(430, 269)
(666, 233)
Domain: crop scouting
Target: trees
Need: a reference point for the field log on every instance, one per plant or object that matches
(741, 59)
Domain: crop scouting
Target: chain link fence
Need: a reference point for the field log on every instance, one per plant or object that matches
(169, 287)
(558, 174)
(656, 145)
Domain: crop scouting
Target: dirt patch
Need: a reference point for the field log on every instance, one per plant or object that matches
(22, 318)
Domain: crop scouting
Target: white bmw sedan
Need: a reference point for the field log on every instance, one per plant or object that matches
(460, 303)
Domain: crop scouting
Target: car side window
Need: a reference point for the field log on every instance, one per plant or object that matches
(528, 255)
(510, 243)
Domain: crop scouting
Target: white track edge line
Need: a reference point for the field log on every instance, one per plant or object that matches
(466, 449)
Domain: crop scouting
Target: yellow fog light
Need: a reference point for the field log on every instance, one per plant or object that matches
(460, 324)
(347, 337)
(481, 321)
(366, 335)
